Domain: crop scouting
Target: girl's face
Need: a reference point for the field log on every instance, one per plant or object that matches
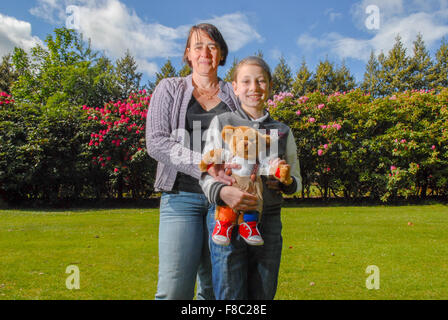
(252, 86)
(204, 54)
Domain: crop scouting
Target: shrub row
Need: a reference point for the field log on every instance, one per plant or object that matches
(351, 145)
(52, 153)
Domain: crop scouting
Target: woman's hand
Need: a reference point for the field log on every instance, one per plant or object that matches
(238, 200)
(222, 172)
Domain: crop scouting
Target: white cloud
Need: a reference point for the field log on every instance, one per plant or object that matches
(396, 19)
(15, 33)
(236, 30)
(49, 10)
(115, 28)
(332, 14)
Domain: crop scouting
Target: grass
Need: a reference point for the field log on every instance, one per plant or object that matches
(326, 251)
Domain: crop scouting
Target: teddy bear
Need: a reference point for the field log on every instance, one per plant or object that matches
(246, 146)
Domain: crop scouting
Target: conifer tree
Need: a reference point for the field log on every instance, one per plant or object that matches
(395, 71)
(7, 74)
(127, 75)
(371, 77)
(167, 71)
(324, 77)
(185, 71)
(281, 78)
(303, 80)
(229, 75)
(343, 79)
(439, 71)
(420, 66)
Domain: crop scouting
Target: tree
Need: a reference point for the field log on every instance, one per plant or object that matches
(185, 71)
(439, 71)
(127, 75)
(303, 80)
(229, 75)
(7, 74)
(281, 78)
(167, 71)
(371, 82)
(420, 66)
(324, 77)
(343, 79)
(65, 71)
(395, 71)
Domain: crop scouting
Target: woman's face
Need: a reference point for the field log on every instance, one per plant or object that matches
(252, 86)
(204, 54)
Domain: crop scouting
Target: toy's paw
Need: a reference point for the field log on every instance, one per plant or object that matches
(283, 174)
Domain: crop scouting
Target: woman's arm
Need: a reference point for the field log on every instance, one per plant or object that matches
(161, 142)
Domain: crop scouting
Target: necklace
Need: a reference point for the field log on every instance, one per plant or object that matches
(208, 95)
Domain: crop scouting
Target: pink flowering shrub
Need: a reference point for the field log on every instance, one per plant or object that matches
(117, 145)
(5, 99)
(352, 145)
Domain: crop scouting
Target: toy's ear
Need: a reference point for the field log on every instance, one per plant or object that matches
(227, 133)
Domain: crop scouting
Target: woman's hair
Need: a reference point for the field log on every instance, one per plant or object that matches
(253, 60)
(214, 34)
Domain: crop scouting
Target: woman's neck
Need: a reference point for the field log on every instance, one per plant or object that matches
(205, 81)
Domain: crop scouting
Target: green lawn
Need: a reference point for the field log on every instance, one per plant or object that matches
(325, 254)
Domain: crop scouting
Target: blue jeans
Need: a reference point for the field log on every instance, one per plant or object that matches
(241, 271)
(184, 255)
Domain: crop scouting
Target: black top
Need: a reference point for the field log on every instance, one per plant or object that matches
(202, 119)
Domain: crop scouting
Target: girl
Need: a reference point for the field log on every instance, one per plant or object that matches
(241, 271)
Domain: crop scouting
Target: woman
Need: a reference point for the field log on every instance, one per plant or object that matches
(181, 110)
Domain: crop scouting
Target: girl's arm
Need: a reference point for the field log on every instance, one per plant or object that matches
(293, 161)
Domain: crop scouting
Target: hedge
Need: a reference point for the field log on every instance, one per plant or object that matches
(350, 145)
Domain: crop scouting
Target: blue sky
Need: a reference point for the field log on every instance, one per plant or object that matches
(156, 30)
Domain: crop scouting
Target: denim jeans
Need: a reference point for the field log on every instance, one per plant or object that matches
(241, 271)
(184, 255)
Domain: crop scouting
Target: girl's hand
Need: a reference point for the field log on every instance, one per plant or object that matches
(238, 200)
(274, 164)
(222, 172)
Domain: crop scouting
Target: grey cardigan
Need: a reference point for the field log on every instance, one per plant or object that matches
(166, 114)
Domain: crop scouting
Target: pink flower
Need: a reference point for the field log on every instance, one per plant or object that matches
(321, 106)
(298, 112)
(325, 146)
(403, 141)
(116, 170)
(392, 168)
(312, 120)
(433, 147)
(320, 152)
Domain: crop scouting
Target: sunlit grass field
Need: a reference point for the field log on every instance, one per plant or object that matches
(326, 251)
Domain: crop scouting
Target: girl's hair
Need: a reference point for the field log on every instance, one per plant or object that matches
(253, 60)
(214, 34)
